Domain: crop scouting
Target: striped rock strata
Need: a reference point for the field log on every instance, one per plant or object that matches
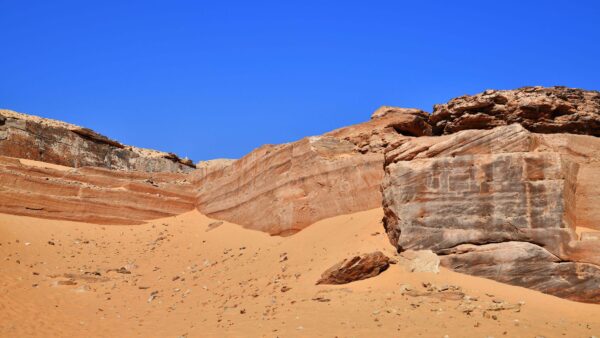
(46, 140)
(281, 189)
(94, 195)
(503, 203)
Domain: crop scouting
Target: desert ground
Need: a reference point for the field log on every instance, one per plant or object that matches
(190, 276)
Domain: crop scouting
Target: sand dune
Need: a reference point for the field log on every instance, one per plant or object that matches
(178, 277)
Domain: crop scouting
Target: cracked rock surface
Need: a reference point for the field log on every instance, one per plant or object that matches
(538, 109)
(504, 203)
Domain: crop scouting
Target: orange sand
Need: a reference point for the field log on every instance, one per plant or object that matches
(227, 282)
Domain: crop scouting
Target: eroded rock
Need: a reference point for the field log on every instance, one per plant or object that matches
(356, 268)
(499, 203)
(499, 193)
(92, 195)
(408, 121)
(527, 264)
(46, 140)
(538, 109)
(281, 189)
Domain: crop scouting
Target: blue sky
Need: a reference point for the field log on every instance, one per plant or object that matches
(209, 79)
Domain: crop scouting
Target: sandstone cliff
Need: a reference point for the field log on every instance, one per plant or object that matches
(89, 194)
(501, 203)
(282, 189)
(501, 184)
(39, 139)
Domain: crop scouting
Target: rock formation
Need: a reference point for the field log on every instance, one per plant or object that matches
(281, 189)
(94, 195)
(498, 184)
(499, 203)
(39, 139)
(538, 109)
(356, 268)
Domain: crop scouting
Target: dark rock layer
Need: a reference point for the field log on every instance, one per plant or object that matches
(538, 109)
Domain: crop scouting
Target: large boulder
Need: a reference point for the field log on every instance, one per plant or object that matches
(538, 109)
(478, 198)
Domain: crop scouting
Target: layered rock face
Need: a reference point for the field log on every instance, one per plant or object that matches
(501, 203)
(34, 138)
(89, 194)
(538, 109)
(92, 178)
(281, 189)
(497, 184)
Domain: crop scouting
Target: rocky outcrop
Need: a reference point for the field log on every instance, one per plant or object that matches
(496, 184)
(39, 139)
(281, 189)
(407, 121)
(89, 194)
(499, 203)
(356, 268)
(538, 109)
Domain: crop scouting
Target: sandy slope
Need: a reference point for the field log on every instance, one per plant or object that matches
(228, 282)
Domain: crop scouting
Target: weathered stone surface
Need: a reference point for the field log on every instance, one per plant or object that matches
(444, 202)
(204, 168)
(89, 194)
(527, 264)
(590, 236)
(585, 152)
(479, 196)
(356, 268)
(382, 130)
(39, 139)
(487, 195)
(513, 138)
(281, 189)
(538, 109)
(408, 121)
(422, 261)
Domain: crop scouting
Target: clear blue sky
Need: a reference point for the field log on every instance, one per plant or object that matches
(209, 79)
